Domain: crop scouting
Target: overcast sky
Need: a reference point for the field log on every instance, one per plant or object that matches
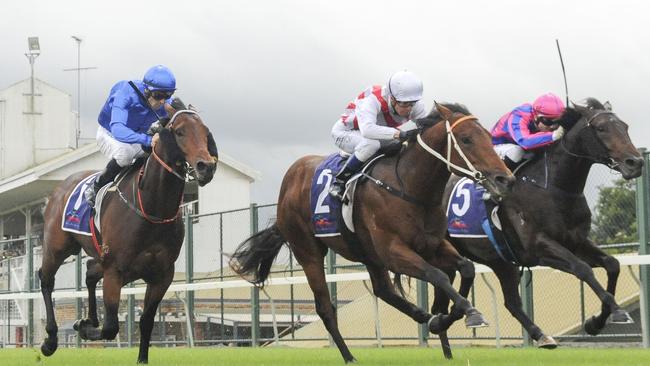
(271, 77)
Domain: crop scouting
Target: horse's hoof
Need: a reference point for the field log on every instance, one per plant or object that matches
(434, 324)
(352, 360)
(591, 327)
(77, 324)
(90, 333)
(49, 347)
(620, 316)
(474, 319)
(546, 342)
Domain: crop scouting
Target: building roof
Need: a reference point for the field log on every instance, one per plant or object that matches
(34, 184)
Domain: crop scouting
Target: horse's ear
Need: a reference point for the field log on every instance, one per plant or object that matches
(212, 148)
(580, 108)
(444, 111)
(608, 106)
(569, 118)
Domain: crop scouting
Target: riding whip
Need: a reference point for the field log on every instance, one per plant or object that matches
(566, 87)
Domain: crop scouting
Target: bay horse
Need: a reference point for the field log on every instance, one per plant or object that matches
(547, 219)
(142, 237)
(392, 233)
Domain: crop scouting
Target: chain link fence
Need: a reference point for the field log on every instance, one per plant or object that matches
(242, 316)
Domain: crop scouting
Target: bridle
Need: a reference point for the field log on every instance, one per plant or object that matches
(607, 160)
(451, 140)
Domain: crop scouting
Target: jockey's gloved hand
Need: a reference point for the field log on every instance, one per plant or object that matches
(408, 135)
(154, 128)
(178, 104)
(557, 134)
(146, 149)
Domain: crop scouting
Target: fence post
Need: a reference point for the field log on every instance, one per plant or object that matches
(643, 215)
(526, 285)
(79, 301)
(331, 286)
(30, 275)
(255, 291)
(130, 317)
(423, 303)
(189, 274)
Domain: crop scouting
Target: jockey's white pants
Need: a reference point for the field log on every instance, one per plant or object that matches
(352, 142)
(512, 151)
(123, 153)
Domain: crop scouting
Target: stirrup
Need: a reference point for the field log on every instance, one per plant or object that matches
(90, 196)
(337, 190)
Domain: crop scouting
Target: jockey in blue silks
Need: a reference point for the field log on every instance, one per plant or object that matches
(125, 119)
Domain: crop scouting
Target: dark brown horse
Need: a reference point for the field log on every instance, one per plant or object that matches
(547, 219)
(392, 234)
(143, 236)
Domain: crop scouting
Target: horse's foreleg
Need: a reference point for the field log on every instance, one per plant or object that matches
(403, 259)
(509, 279)
(556, 256)
(112, 288)
(595, 257)
(89, 328)
(155, 293)
(384, 289)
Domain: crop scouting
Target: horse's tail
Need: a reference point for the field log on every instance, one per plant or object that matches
(397, 281)
(255, 255)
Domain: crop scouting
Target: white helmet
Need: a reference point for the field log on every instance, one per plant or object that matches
(404, 86)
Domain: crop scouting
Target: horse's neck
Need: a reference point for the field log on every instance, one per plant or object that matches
(161, 190)
(565, 171)
(424, 175)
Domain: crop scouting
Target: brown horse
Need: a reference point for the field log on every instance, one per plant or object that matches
(392, 233)
(547, 219)
(143, 236)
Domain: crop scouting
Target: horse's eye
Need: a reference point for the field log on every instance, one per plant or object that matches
(600, 129)
(466, 140)
(178, 133)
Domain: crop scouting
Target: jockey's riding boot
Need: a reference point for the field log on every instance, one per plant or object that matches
(510, 164)
(351, 166)
(107, 176)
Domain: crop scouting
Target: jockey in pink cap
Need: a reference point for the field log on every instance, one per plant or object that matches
(528, 127)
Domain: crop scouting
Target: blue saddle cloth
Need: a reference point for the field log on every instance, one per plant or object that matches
(77, 212)
(466, 212)
(326, 210)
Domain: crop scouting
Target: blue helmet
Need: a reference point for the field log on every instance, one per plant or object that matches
(160, 77)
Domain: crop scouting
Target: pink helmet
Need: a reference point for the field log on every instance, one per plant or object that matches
(548, 105)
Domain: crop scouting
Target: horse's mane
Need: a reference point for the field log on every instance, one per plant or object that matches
(434, 116)
(571, 115)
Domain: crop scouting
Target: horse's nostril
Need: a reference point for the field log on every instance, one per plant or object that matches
(201, 166)
(634, 162)
(504, 180)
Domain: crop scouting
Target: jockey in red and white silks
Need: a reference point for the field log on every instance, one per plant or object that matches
(371, 121)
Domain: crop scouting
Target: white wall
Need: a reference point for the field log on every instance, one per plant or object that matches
(30, 139)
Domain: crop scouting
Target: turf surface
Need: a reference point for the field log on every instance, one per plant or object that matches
(365, 356)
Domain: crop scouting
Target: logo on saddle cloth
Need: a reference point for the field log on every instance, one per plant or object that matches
(77, 212)
(326, 210)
